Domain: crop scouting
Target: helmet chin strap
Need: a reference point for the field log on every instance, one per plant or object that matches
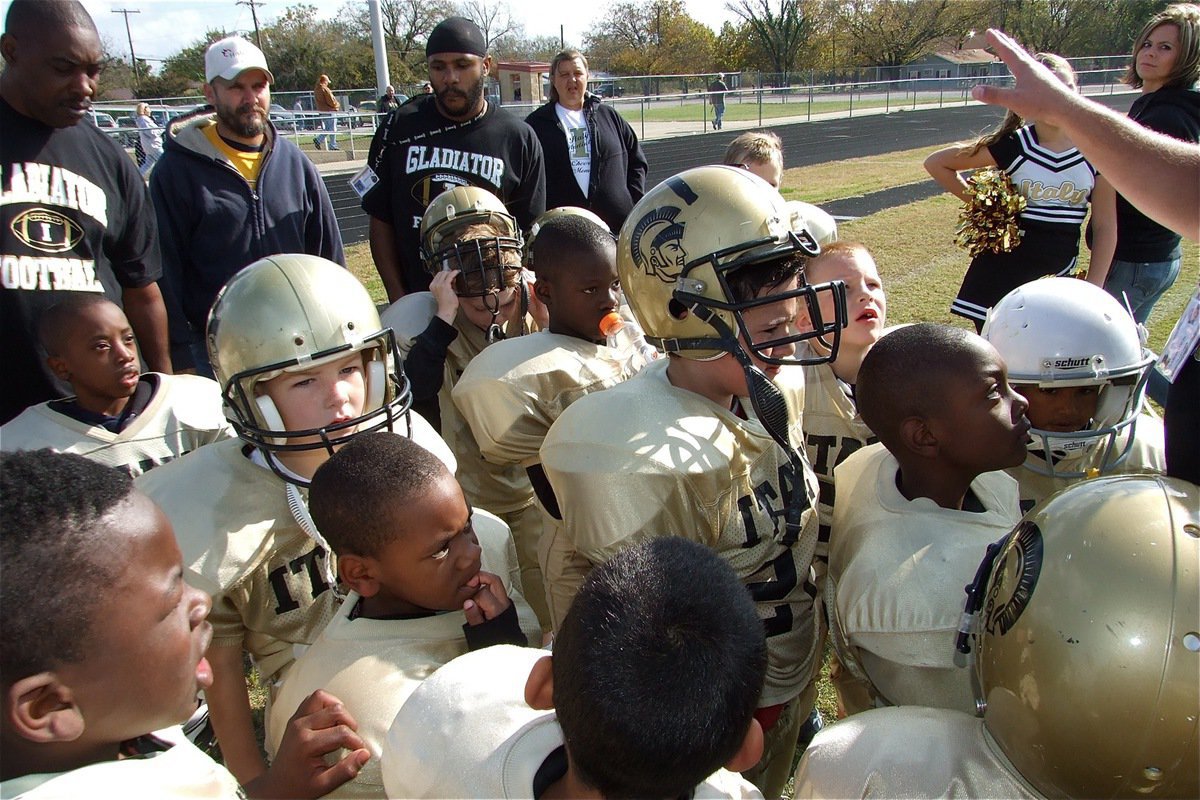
(494, 332)
(771, 409)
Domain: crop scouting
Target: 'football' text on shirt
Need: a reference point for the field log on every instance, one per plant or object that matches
(488, 168)
(53, 185)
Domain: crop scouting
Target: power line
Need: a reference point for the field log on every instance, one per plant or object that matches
(254, 4)
(132, 57)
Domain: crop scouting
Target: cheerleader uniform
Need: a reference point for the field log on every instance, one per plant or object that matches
(1057, 188)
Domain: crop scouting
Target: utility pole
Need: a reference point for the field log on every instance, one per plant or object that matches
(254, 4)
(132, 57)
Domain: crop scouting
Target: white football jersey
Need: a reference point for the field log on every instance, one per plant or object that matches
(467, 732)
(181, 772)
(645, 458)
(907, 752)
(242, 544)
(373, 665)
(1148, 454)
(184, 413)
(898, 568)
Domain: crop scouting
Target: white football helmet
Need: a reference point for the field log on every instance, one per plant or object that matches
(289, 313)
(683, 240)
(1089, 640)
(1062, 332)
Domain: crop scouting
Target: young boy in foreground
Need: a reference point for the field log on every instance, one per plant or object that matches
(471, 246)
(703, 444)
(117, 650)
(413, 555)
(650, 692)
(511, 393)
(119, 416)
(305, 366)
(915, 513)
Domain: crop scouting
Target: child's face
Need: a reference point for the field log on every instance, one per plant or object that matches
(146, 660)
(478, 310)
(580, 295)
(99, 358)
(866, 306)
(429, 566)
(763, 323)
(982, 425)
(1063, 410)
(770, 171)
(323, 395)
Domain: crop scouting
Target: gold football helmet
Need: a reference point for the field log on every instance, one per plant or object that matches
(289, 313)
(486, 263)
(1089, 641)
(682, 241)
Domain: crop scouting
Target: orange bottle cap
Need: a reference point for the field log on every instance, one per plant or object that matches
(610, 323)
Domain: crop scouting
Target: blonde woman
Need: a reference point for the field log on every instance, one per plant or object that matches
(1058, 184)
(1165, 65)
(149, 138)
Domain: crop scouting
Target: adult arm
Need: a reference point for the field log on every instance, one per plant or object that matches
(944, 167)
(229, 709)
(1104, 231)
(635, 171)
(1157, 174)
(528, 199)
(323, 236)
(386, 255)
(148, 318)
(171, 209)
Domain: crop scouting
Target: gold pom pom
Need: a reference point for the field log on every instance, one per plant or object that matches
(988, 221)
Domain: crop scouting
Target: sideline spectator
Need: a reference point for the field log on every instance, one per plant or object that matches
(149, 138)
(717, 90)
(387, 101)
(1165, 66)
(328, 105)
(103, 229)
(453, 138)
(593, 158)
(230, 190)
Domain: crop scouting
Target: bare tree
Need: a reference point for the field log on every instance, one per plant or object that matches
(494, 19)
(894, 32)
(780, 31)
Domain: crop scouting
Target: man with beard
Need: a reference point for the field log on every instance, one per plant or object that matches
(230, 190)
(74, 216)
(451, 137)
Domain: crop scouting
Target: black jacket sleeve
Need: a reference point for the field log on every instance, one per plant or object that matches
(504, 629)
(426, 361)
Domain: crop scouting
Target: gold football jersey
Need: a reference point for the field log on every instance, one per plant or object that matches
(184, 414)
(833, 430)
(645, 458)
(241, 544)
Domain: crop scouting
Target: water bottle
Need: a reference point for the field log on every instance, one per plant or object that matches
(625, 336)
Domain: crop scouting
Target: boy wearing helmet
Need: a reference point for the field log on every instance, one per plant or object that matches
(512, 392)
(1085, 669)
(304, 365)
(704, 444)
(1075, 353)
(472, 247)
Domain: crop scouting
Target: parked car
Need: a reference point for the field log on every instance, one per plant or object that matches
(129, 131)
(283, 119)
(103, 120)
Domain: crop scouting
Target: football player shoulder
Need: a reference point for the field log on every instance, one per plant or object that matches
(542, 362)
(409, 316)
(225, 509)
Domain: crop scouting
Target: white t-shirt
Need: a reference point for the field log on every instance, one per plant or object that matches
(579, 144)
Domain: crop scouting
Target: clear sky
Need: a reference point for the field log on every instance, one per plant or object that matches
(165, 26)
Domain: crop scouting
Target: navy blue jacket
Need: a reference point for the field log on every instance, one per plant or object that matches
(618, 177)
(211, 223)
